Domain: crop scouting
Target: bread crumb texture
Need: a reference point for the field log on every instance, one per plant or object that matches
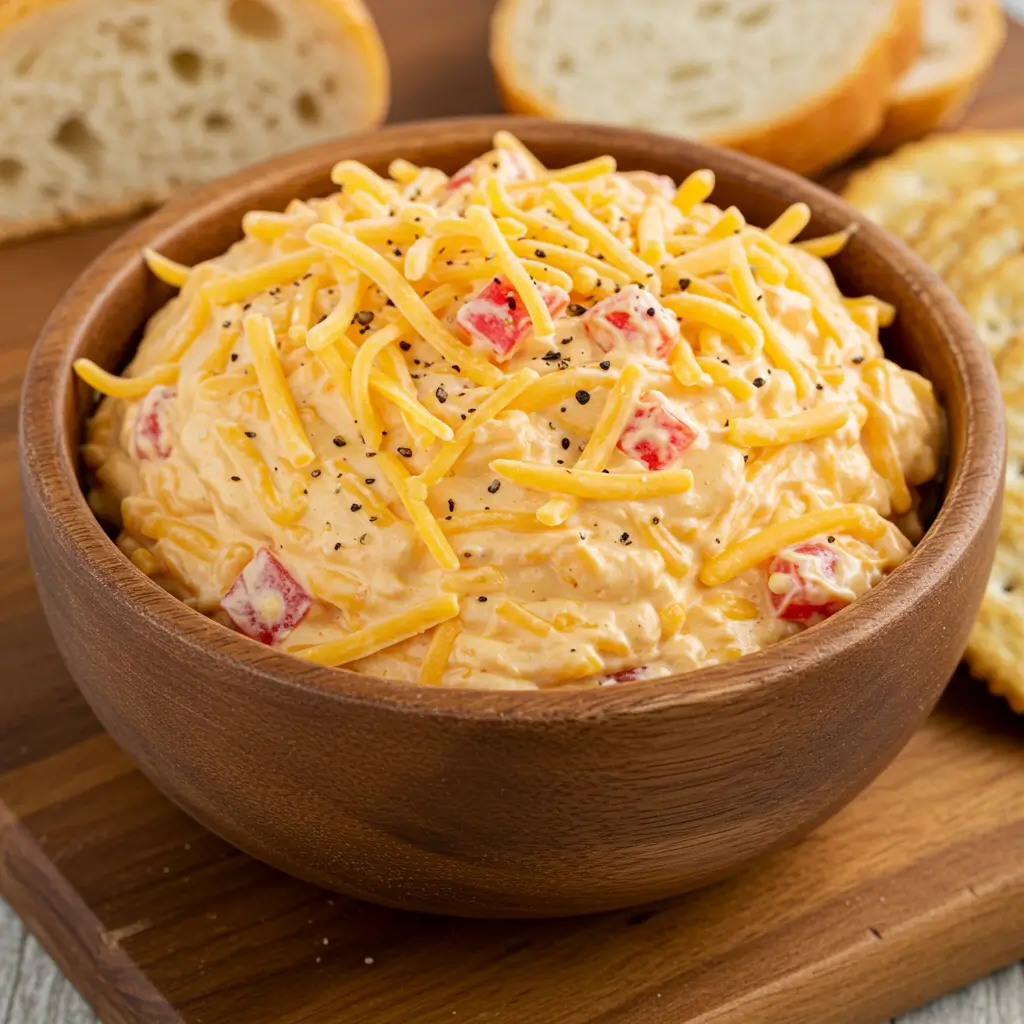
(691, 67)
(110, 105)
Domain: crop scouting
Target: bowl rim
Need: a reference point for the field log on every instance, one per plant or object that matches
(49, 477)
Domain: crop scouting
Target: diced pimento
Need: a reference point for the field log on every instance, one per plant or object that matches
(655, 436)
(463, 176)
(512, 167)
(626, 675)
(497, 317)
(800, 582)
(634, 319)
(150, 436)
(266, 602)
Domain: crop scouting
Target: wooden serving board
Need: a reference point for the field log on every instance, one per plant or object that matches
(914, 889)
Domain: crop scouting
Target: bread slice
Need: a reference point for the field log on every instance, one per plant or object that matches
(803, 83)
(961, 40)
(111, 105)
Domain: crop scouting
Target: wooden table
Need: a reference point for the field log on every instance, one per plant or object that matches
(423, 38)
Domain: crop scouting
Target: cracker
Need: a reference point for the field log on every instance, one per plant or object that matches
(995, 651)
(931, 171)
(995, 303)
(949, 226)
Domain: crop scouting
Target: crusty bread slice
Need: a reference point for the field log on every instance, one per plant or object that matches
(111, 105)
(960, 41)
(803, 83)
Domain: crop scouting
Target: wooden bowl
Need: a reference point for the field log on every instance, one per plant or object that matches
(505, 804)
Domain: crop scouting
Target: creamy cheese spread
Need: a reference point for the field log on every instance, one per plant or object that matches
(515, 428)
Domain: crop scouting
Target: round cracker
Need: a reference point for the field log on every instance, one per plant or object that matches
(931, 171)
(942, 238)
(997, 235)
(995, 303)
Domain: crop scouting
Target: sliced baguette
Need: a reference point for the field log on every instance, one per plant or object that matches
(803, 83)
(112, 105)
(961, 40)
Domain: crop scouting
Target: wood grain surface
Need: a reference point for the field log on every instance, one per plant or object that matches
(914, 889)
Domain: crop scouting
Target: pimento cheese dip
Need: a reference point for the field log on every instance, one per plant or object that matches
(514, 428)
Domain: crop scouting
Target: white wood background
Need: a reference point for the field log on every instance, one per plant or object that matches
(33, 991)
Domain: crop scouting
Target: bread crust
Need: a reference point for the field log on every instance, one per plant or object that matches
(353, 16)
(823, 131)
(916, 114)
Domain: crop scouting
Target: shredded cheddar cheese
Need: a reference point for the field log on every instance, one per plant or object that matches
(513, 426)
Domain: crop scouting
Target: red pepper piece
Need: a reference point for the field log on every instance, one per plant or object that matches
(497, 317)
(513, 167)
(629, 675)
(802, 601)
(150, 438)
(655, 436)
(633, 319)
(266, 602)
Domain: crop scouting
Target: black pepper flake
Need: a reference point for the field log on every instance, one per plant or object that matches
(440, 394)
(492, 487)
(371, 455)
(355, 506)
(582, 396)
(575, 309)
(404, 346)
(370, 481)
(539, 253)
(250, 433)
(745, 457)
(758, 382)
(405, 452)
(561, 462)
(235, 479)
(565, 341)
(482, 599)
(511, 303)
(362, 539)
(650, 311)
(337, 547)
(819, 387)
(340, 442)
(656, 520)
(451, 504)
(398, 252)
(247, 306)
(718, 540)
(684, 283)
(225, 323)
(831, 539)
(605, 364)
(857, 360)
(550, 357)
(315, 473)
(373, 519)
(565, 444)
(725, 362)
(234, 357)
(456, 368)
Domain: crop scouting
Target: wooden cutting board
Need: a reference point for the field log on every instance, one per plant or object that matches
(914, 889)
